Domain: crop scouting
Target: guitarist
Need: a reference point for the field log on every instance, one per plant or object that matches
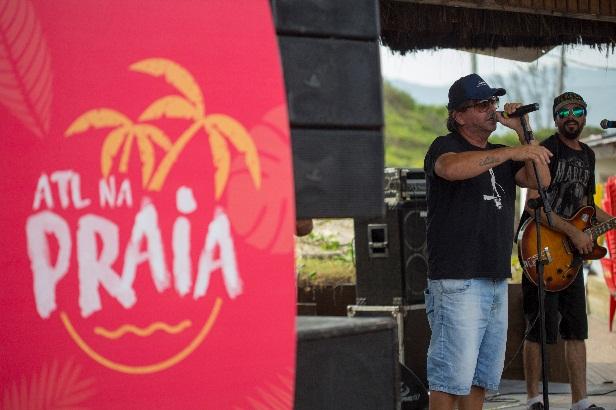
(573, 186)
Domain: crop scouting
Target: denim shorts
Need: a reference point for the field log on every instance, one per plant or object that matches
(468, 318)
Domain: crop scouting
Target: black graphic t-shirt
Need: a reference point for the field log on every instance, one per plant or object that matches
(573, 178)
(470, 222)
(572, 175)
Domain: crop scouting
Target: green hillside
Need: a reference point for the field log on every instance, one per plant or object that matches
(411, 127)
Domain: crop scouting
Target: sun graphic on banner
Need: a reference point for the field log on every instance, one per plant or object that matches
(189, 104)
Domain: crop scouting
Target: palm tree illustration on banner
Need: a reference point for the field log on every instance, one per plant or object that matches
(123, 135)
(189, 105)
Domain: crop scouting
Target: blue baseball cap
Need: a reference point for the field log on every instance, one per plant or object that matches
(471, 87)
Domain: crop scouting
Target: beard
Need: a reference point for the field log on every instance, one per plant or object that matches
(568, 133)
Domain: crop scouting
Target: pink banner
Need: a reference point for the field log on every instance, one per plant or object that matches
(148, 211)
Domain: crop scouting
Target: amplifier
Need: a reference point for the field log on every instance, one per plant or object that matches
(403, 184)
(412, 184)
(391, 186)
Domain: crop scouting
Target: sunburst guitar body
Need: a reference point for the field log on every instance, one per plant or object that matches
(561, 260)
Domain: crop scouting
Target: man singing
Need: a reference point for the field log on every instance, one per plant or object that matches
(471, 194)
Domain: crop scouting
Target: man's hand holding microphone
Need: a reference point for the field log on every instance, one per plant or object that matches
(510, 118)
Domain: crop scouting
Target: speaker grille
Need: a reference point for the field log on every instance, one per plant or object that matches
(415, 230)
(399, 272)
(414, 255)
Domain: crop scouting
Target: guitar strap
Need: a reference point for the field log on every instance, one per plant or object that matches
(590, 189)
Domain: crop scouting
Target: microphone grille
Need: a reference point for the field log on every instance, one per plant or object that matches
(604, 124)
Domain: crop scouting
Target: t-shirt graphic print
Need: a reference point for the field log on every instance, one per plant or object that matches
(570, 180)
(496, 190)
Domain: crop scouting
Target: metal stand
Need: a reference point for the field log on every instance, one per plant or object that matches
(536, 205)
(541, 295)
(398, 312)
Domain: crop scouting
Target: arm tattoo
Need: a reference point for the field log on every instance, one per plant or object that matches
(488, 161)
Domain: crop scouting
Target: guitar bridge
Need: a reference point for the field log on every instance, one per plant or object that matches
(546, 259)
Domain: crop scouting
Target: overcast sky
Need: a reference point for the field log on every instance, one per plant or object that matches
(442, 68)
(445, 66)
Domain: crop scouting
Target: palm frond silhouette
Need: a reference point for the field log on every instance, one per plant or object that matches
(55, 387)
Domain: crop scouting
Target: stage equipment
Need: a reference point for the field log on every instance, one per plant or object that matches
(330, 58)
(413, 341)
(402, 185)
(391, 259)
(345, 363)
(536, 204)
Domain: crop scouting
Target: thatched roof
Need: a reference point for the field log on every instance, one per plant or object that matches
(409, 25)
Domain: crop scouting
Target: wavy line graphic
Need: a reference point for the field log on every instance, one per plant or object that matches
(143, 332)
(148, 368)
(25, 66)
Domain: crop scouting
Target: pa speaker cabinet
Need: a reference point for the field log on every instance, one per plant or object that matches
(346, 363)
(335, 172)
(413, 333)
(330, 58)
(352, 19)
(391, 258)
(332, 82)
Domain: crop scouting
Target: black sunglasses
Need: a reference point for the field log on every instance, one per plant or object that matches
(483, 105)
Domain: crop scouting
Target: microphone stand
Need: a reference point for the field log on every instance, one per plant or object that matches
(536, 205)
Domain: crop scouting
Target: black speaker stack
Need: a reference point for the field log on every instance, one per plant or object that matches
(330, 57)
(392, 263)
(391, 259)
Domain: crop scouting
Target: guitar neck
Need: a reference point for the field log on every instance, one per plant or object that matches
(602, 228)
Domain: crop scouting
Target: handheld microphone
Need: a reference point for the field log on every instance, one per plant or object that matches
(605, 124)
(521, 110)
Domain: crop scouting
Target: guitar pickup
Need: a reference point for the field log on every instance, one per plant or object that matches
(546, 259)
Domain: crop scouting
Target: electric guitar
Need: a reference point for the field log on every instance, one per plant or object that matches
(561, 260)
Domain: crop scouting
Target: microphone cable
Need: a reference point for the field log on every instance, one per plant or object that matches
(522, 343)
